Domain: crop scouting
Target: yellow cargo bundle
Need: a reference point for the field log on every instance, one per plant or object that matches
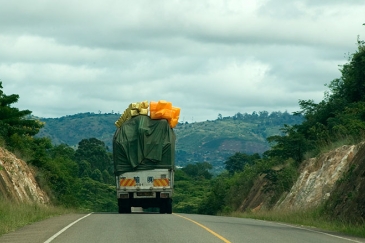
(134, 106)
(134, 112)
(143, 105)
(134, 109)
(143, 111)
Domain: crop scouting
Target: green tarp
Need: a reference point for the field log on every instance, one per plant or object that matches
(143, 144)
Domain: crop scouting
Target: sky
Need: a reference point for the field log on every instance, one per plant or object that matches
(214, 57)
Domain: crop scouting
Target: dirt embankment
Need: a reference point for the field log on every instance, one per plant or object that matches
(348, 199)
(335, 179)
(17, 181)
(318, 177)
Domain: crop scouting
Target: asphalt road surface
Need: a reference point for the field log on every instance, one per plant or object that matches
(153, 227)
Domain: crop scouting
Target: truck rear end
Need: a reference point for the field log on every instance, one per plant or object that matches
(146, 189)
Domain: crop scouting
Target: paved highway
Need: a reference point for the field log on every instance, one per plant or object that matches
(143, 227)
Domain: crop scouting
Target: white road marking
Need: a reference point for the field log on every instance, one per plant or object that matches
(319, 232)
(64, 229)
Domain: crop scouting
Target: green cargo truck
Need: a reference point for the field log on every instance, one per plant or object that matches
(144, 163)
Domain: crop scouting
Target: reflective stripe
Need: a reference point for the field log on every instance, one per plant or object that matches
(127, 182)
(161, 182)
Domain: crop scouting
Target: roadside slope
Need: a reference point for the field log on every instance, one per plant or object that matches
(17, 180)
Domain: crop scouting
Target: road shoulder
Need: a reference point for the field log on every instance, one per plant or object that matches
(40, 231)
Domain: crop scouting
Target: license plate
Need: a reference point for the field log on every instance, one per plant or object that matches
(145, 194)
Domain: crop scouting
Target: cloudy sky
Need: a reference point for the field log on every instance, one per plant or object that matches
(212, 57)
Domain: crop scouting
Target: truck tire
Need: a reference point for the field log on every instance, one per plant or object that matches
(123, 209)
(166, 206)
(169, 206)
(162, 208)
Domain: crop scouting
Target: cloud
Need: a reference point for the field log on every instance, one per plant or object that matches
(207, 57)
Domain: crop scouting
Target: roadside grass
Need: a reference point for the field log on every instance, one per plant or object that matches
(309, 218)
(326, 147)
(15, 215)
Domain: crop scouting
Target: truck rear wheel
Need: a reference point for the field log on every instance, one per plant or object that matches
(166, 206)
(162, 208)
(169, 206)
(123, 209)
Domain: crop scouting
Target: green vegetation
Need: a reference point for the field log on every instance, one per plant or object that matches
(72, 129)
(78, 178)
(307, 218)
(15, 215)
(191, 186)
(14, 129)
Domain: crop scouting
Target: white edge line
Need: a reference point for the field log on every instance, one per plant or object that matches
(64, 229)
(316, 231)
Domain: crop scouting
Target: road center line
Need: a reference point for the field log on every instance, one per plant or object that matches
(64, 229)
(206, 228)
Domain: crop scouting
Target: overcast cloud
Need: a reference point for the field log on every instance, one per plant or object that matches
(206, 57)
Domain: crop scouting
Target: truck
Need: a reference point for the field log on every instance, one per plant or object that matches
(144, 164)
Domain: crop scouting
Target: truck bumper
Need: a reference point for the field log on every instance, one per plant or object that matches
(161, 200)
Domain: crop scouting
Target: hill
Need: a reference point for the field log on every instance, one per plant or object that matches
(72, 129)
(210, 141)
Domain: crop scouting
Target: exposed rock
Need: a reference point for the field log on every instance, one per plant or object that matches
(256, 197)
(335, 179)
(318, 177)
(348, 201)
(17, 180)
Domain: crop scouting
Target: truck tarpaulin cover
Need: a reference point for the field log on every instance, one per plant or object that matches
(143, 144)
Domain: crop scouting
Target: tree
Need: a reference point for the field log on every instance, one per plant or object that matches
(291, 145)
(353, 75)
(198, 170)
(97, 176)
(216, 197)
(14, 121)
(237, 162)
(342, 111)
(264, 114)
(62, 150)
(84, 168)
(94, 151)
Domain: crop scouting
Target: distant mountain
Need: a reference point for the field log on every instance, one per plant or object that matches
(72, 129)
(210, 141)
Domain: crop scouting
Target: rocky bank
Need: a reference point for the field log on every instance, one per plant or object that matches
(335, 179)
(318, 177)
(17, 181)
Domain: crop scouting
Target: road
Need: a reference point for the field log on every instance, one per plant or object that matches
(151, 227)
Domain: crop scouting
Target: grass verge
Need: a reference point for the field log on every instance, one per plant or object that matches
(309, 218)
(16, 215)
